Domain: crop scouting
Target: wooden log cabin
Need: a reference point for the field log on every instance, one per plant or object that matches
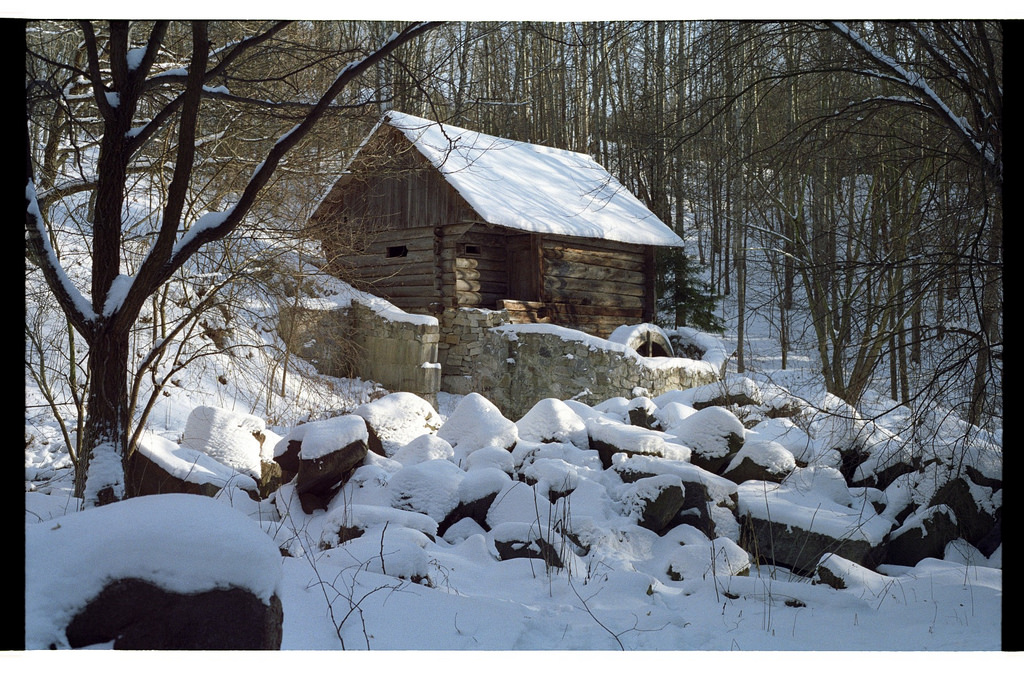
(430, 216)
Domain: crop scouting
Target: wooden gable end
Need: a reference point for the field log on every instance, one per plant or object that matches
(383, 223)
(390, 185)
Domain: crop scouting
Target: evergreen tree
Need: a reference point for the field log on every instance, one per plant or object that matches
(686, 300)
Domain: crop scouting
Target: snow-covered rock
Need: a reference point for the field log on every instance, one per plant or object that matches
(672, 413)
(653, 502)
(713, 435)
(476, 423)
(720, 557)
(396, 420)
(760, 460)
(610, 438)
(232, 438)
(159, 466)
(175, 543)
(352, 520)
(322, 454)
(551, 420)
(423, 448)
(792, 527)
(430, 487)
(491, 457)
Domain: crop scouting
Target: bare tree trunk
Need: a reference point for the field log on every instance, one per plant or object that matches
(989, 313)
(108, 421)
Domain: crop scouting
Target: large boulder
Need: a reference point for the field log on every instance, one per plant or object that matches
(888, 458)
(160, 466)
(976, 511)
(323, 455)
(654, 502)
(523, 540)
(704, 558)
(396, 420)
(793, 525)
(551, 420)
(610, 438)
(671, 414)
(707, 498)
(476, 423)
(430, 487)
(235, 439)
(351, 521)
(713, 434)
(474, 509)
(138, 615)
(423, 448)
(760, 459)
(641, 412)
(170, 571)
(840, 573)
(554, 478)
(804, 449)
(923, 535)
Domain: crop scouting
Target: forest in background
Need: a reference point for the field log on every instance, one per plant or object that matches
(861, 162)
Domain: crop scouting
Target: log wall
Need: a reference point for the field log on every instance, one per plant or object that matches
(587, 285)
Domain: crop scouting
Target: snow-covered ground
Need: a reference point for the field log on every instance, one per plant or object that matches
(616, 596)
(396, 588)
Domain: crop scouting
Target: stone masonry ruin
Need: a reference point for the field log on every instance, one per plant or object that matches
(474, 350)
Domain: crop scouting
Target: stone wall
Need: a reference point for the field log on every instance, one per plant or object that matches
(475, 350)
(374, 341)
(471, 360)
(514, 366)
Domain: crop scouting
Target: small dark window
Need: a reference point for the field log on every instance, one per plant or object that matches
(472, 249)
(398, 251)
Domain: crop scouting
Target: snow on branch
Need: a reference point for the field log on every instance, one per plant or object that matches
(51, 264)
(916, 82)
(217, 224)
(207, 222)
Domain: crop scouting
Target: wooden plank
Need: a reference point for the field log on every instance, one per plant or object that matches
(481, 286)
(594, 298)
(477, 264)
(474, 299)
(379, 257)
(419, 262)
(495, 277)
(585, 311)
(592, 245)
(614, 259)
(467, 274)
(573, 269)
(537, 250)
(408, 289)
(650, 273)
(579, 309)
(496, 252)
(569, 286)
(479, 299)
(455, 231)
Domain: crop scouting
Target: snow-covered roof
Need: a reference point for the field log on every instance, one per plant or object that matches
(534, 188)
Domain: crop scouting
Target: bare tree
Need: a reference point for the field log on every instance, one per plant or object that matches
(143, 108)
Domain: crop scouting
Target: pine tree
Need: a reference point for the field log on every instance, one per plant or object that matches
(686, 300)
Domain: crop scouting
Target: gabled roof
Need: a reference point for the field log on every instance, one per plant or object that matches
(534, 188)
